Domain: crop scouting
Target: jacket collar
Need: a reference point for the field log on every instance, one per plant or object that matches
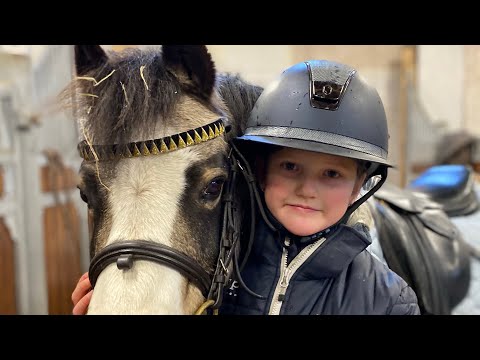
(342, 245)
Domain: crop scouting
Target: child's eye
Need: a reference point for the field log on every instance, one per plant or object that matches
(332, 173)
(289, 166)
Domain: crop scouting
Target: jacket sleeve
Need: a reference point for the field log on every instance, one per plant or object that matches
(406, 303)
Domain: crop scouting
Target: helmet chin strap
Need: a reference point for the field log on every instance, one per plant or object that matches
(252, 183)
(382, 171)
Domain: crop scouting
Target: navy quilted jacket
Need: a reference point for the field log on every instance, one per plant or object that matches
(332, 275)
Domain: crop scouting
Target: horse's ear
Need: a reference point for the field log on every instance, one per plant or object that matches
(88, 57)
(195, 62)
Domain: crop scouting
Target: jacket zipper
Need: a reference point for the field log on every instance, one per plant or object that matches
(286, 272)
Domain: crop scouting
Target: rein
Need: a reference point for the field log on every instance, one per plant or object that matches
(124, 253)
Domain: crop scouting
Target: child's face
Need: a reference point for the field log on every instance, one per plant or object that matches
(308, 191)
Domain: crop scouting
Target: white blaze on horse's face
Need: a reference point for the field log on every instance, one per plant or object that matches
(144, 202)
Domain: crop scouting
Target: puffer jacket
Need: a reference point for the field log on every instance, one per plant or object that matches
(334, 274)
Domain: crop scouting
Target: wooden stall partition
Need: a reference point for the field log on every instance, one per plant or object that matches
(7, 272)
(407, 80)
(62, 249)
(61, 235)
(1, 183)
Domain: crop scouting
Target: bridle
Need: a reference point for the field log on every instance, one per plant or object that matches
(124, 253)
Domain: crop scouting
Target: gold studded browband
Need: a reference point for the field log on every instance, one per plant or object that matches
(152, 147)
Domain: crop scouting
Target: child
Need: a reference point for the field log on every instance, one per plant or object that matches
(315, 137)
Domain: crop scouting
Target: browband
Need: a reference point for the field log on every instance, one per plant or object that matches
(152, 147)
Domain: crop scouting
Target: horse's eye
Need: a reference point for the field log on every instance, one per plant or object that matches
(214, 189)
(83, 196)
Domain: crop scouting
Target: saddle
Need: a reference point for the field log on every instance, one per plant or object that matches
(422, 245)
(452, 186)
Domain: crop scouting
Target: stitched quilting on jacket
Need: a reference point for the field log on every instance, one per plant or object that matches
(332, 275)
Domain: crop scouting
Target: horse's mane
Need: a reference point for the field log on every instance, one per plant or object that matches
(239, 97)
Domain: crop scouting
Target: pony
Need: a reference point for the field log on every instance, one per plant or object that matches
(155, 129)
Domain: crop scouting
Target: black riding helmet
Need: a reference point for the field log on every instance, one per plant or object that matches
(323, 106)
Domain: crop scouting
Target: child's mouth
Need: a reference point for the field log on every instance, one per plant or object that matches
(302, 208)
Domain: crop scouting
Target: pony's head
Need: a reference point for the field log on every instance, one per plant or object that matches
(155, 128)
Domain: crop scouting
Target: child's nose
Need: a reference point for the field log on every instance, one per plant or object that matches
(307, 187)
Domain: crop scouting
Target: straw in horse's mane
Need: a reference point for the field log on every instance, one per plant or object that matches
(126, 94)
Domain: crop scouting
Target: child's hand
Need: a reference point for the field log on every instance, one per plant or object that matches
(81, 295)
